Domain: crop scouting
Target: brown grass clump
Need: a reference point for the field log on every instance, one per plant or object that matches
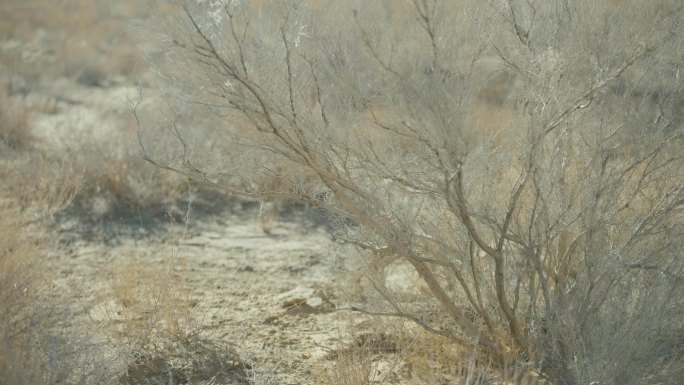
(38, 343)
(22, 287)
(152, 303)
(360, 361)
(405, 353)
(122, 185)
(352, 367)
(431, 358)
(371, 351)
(36, 187)
(155, 316)
(14, 123)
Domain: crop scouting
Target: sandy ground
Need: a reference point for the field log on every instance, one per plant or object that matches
(241, 283)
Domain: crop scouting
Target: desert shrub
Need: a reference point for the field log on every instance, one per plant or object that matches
(545, 222)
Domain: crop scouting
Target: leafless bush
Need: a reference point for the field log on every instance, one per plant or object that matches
(552, 235)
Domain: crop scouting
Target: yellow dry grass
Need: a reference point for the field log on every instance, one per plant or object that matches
(151, 301)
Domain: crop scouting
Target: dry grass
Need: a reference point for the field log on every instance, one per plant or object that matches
(351, 367)
(151, 301)
(123, 185)
(158, 321)
(431, 358)
(38, 344)
(88, 42)
(14, 122)
(44, 338)
(93, 184)
(81, 39)
(395, 351)
(390, 350)
(360, 361)
(36, 188)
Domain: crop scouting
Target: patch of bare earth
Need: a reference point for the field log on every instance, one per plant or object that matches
(270, 297)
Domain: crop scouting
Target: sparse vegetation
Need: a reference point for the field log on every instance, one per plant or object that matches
(552, 236)
(14, 130)
(159, 322)
(88, 41)
(347, 192)
(37, 344)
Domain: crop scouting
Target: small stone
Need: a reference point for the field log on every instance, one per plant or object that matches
(314, 301)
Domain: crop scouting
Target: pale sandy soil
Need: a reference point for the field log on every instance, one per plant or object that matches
(239, 281)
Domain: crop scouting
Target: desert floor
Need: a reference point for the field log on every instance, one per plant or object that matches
(185, 287)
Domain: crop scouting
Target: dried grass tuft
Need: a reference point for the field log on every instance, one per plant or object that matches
(38, 342)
